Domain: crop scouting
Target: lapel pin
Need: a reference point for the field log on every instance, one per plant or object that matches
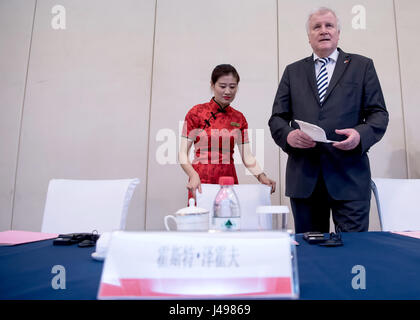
(346, 61)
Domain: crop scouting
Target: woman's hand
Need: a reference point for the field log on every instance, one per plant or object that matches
(194, 183)
(262, 178)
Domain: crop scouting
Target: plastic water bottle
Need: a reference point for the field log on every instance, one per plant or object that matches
(226, 209)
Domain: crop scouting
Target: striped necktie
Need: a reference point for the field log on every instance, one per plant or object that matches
(322, 79)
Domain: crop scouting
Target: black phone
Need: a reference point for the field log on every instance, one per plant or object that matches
(71, 238)
(314, 237)
(64, 241)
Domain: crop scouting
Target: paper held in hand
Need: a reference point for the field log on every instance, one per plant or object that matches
(315, 132)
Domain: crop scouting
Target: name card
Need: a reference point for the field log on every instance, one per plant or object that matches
(153, 265)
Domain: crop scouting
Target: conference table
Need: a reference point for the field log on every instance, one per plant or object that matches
(390, 263)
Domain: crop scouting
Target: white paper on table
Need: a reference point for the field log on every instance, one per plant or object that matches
(315, 132)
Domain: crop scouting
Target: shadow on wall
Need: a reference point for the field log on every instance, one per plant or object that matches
(414, 160)
(397, 165)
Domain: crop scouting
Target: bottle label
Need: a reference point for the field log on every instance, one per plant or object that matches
(227, 224)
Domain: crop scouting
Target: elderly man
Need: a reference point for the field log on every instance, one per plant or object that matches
(339, 92)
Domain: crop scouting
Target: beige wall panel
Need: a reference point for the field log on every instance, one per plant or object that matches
(408, 24)
(87, 102)
(377, 41)
(16, 19)
(192, 37)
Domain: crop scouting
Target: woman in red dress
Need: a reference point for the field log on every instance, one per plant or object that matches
(214, 128)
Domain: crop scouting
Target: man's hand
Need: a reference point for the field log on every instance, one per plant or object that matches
(298, 139)
(352, 141)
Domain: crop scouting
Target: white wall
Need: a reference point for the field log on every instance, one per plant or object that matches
(87, 102)
(90, 101)
(188, 44)
(408, 24)
(16, 19)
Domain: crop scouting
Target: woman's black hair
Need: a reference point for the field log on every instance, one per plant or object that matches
(223, 70)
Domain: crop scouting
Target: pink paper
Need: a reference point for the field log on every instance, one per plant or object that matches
(13, 237)
(413, 234)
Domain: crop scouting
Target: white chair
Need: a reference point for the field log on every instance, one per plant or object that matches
(396, 200)
(250, 196)
(74, 206)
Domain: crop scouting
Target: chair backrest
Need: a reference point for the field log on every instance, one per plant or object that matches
(74, 206)
(250, 196)
(396, 200)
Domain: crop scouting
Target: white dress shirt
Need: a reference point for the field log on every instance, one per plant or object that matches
(330, 65)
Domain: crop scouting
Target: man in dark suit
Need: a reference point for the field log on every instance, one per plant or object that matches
(341, 93)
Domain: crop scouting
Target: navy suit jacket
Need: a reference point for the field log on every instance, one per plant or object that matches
(354, 99)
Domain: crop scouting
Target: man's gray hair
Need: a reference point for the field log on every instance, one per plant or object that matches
(321, 10)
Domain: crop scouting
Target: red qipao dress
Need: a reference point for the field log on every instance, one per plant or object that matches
(215, 131)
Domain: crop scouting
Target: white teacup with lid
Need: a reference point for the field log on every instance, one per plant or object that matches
(191, 218)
